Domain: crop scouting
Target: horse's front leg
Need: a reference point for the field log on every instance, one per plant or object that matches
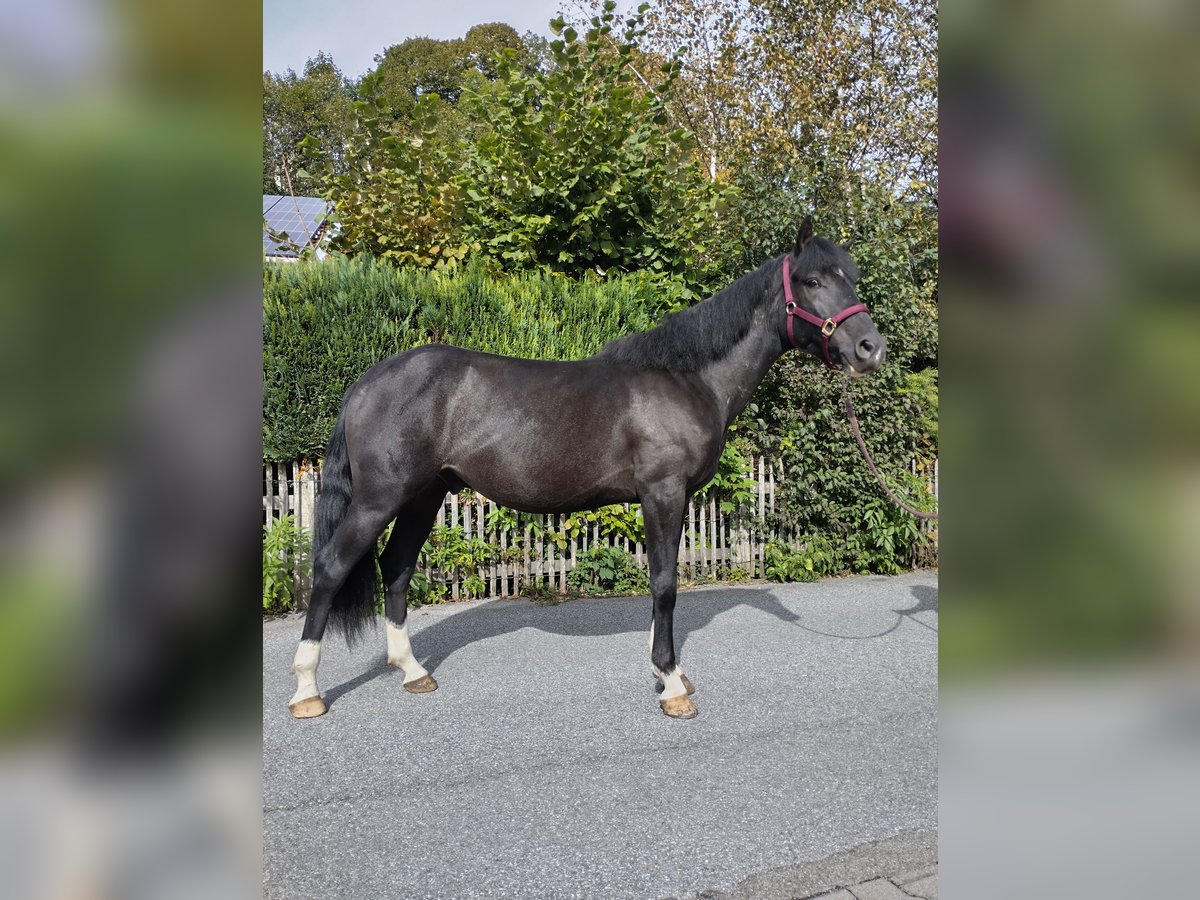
(663, 510)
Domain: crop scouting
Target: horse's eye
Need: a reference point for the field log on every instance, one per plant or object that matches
(812, 282)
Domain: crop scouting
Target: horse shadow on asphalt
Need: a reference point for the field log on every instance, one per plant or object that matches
(595, 617)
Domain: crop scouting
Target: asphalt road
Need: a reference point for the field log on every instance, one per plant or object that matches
(542, 766)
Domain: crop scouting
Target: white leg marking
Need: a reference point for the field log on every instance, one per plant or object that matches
(308, 655)
(400, 655)
(672, 683)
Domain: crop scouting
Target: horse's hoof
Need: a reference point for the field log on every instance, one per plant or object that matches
(680, 707)
(422, 685)
(308, 708)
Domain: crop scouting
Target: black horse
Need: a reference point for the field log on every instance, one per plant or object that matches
(644, 420)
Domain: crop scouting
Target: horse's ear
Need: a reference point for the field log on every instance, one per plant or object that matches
(846, 246)
(805, 233)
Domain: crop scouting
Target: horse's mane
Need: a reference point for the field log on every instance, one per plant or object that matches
(691, 339)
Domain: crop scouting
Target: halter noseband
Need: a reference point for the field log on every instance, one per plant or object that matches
(827, 326)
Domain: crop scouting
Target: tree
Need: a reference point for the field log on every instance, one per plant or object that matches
(579, 169)
(820, 93)
(395, 198)
(317, 104)
(419, 66)
(854, 85)
(572, 166)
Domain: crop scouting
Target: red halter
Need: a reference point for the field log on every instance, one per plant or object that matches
(827, 326)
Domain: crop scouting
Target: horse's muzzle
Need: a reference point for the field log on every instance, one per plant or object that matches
(869, 355)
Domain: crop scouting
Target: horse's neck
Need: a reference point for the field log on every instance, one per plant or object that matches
(734, 376)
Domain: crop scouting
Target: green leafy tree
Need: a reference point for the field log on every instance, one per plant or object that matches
(579, 168)
(804, 105)
(822, 88)
(395, 196)
(395, 199)
(571, 166)
(419, 66)
(315, 106)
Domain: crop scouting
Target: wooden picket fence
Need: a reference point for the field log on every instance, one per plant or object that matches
(713, 544)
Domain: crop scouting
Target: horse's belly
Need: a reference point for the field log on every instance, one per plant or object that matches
(535, 476)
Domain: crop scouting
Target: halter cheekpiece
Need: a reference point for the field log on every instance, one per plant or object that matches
(827, 326)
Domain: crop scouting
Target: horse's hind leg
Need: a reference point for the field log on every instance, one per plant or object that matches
(354, 538)
(397, 563)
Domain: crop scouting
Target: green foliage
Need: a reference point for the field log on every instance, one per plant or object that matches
(922, 389)
(394, 198)
(392, 180)
(828, 489)
(422, 591)
(285, 559)
(769, 202)
(734, 482)
(573, 166)
(608, 570)
(895, 245)
(314, 110)
(811, 559)
(616, 520)
(884, 539)
(453, 555)
(578, 169)
(420, 67)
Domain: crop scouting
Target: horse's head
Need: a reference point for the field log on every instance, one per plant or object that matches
(823, 315)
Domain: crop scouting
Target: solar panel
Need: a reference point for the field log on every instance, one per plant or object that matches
(293, 230)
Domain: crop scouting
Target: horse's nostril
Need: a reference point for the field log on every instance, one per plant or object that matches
(865, 348)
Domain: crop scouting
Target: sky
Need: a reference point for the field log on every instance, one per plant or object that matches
(353, 31)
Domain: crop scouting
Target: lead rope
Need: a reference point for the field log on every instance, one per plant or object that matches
(862, 446)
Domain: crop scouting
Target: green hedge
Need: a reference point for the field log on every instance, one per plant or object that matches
(828, 492)
(326, 323)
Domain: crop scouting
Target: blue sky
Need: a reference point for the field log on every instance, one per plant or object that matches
(353, 31)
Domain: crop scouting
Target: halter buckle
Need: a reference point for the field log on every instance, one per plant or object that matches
(829, 327)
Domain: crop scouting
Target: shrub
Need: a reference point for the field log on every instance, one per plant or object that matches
(608, 570)
(812, 559)
(451, 554)
(285, 561)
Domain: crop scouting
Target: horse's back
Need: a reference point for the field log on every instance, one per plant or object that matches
(457, 375)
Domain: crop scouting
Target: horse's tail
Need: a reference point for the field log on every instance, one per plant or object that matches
(353, 604)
